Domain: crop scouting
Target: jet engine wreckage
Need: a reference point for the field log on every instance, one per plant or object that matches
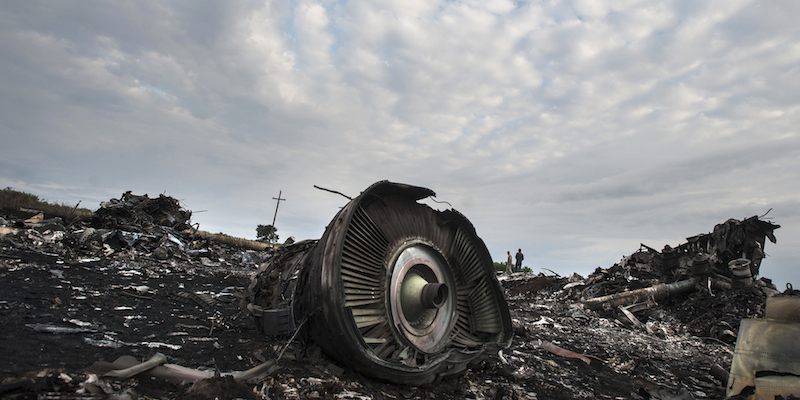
(393, 289)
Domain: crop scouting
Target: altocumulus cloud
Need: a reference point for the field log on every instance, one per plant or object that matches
(571, 129)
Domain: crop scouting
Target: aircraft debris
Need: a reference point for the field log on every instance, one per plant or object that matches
(766, 360)
(120, 297)
(393, 289)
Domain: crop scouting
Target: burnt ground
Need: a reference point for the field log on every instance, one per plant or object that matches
(63, 310)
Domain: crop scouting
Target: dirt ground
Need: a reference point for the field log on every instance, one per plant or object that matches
(64, 307)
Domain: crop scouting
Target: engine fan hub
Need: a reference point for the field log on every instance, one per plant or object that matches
(421, 302)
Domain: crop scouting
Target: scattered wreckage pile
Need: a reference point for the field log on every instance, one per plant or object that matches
(134, 225)
(116, 304)
(711, 266)
(706, 288)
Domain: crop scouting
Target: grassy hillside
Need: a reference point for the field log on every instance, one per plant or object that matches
(234, 241)
(13, 199)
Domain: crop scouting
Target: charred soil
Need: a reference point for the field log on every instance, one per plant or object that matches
(70, 297)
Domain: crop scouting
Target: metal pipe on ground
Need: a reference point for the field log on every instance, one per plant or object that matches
(659, 291)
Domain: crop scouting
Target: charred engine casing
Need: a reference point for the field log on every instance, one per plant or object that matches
(393, 289)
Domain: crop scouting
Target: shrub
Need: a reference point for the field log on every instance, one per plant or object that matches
(266, 233)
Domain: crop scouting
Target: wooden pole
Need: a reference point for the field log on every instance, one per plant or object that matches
(276, 206)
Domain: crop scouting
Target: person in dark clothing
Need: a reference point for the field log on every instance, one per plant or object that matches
(519, 257)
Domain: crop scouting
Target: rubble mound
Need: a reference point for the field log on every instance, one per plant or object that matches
(141, 213)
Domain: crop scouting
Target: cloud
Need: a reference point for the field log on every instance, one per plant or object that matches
(573, 128)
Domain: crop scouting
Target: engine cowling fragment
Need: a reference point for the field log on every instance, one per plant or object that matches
(393, 289)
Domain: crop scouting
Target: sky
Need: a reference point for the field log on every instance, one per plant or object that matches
(574, 130)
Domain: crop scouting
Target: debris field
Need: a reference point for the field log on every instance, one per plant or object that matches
(134, 282)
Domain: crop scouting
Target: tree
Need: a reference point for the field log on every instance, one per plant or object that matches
(266, 233)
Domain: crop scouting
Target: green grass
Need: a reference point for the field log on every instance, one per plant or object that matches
(13, 199)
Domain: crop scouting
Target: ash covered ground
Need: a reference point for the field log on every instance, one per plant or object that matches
(129, 284)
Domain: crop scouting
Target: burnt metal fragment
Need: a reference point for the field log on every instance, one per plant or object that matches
(393, 289)
(659, 291)
(784, 308)
(766, 359)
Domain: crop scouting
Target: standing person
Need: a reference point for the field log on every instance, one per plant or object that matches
(519, 257)
(509, 263)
